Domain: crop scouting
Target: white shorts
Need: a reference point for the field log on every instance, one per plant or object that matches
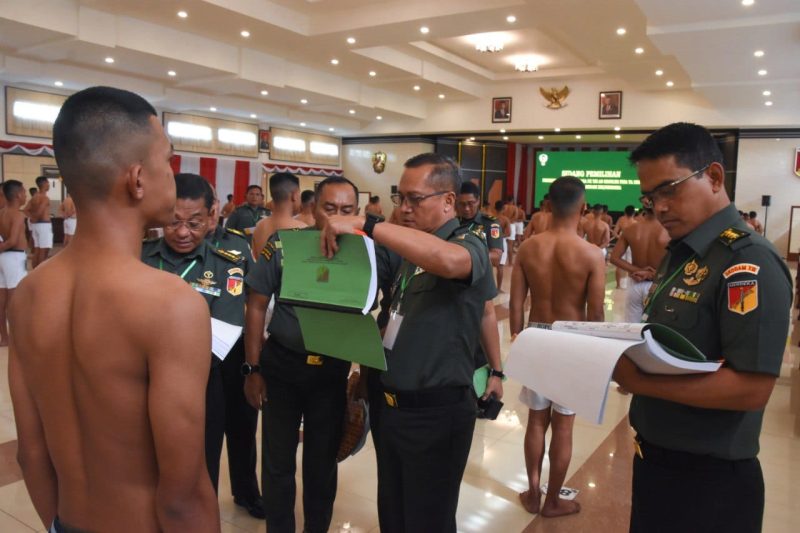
(634, 300)
(69, 225)
(12, 268)
(504, 257)
(512, 231)
(42, 234)
(520, 227)
(536, 402)
(628, 255)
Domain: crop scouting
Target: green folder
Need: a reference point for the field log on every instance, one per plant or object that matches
(349, 336)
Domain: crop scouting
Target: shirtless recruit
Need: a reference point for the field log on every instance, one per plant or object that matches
(285, 191)
(623, 222)
(13, 258)
(566, 279)
(38, 211)
(109, 402)
(597, 231)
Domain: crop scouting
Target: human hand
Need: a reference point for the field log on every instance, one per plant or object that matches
(626, 373)
(255, 390)
(494, 385)
(333, 226)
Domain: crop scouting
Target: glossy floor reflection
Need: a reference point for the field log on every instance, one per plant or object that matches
(495, 473)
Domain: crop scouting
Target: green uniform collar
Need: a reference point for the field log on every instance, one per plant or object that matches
(216, 235)
(173, 257)
(705, 234)
(447, 228)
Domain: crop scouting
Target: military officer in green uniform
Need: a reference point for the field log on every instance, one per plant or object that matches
(726, 289)
(215, 273)
(428, 416)
(245, 217)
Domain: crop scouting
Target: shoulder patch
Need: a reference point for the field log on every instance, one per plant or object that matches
(233, 257)
(236, 232)
(731, 235)
(741, 268)
(269, 250)
(490, 218)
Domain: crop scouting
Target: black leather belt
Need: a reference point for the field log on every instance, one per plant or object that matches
(681, 459)
(425, 398)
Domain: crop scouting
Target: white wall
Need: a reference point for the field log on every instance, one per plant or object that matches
(357, 166)
(766, 166)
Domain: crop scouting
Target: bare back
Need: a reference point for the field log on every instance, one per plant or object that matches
(68, 207)
(623, 222)
(267, 226)
(91, 381)
(648, 240)
(540, 222)
(39, 208)
(597, 232)
(565, 276)
(12, 228)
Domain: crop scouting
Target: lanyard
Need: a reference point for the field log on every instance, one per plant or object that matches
(662, 285)
(404, 280)
(183, 276)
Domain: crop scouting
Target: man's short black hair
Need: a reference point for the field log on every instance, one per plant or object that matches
(469, 187)
(630, 210)
(193, 187)
(753, 214)
(40, 181)
(375, 199)
(445, 175)
(282, 185)
(306, 196)
(251, 187)
(230, 197)
(598, 208)
(605, 208)
(94, 137)
(32, 190)
(498, 205)
(693, 146)
(566, 195)
(11, 188)
(335, 180)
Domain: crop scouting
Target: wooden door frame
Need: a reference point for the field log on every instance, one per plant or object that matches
(791, 255)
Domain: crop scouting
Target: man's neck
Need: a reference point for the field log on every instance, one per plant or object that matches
(283, 211)
(251, 206)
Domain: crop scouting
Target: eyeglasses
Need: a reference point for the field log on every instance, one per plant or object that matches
(191, 225)
(666, 191)
(413, 200)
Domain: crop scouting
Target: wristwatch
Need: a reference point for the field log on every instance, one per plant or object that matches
(248, 369)
(496, 374)
(369, 223)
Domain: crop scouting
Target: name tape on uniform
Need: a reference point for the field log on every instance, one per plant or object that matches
(741, 268)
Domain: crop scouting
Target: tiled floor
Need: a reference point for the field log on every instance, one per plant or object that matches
(600, 466)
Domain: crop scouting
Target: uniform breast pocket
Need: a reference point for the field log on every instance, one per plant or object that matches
(423, 283)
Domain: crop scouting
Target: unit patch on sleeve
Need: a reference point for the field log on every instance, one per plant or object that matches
(741, 268)
(742, 296)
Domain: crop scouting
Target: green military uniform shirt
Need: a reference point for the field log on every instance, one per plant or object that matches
(488, 226)
(244, 219)
(233, 241)
(439, 333)
(727, 290)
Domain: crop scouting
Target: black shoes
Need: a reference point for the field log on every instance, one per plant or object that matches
(254, 507)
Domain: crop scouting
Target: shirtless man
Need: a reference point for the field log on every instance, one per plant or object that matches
(606, 217)
(228, 208)
(41, 227)
(647, 240)
(108, 402)
(623, 222)
(566, 279)
(67, 210)
(597, 231)
(307, 204)
(756, 223)
(540, 221)
(374, 206)
(13, 258)
(284, 188)
(506, 230)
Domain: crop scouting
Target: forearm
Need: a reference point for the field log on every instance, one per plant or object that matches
(494, 256)
(42, 484)
(490, 337)
(254, 332)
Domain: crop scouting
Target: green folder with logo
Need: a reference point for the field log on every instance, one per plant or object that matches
(332, 298)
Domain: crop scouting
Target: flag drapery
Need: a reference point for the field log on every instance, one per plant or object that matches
(519, 174)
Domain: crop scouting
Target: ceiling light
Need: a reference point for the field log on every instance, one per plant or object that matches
(556, 129)
(303, 124)
(505, 137)
(502, 131)
(264, 92)
(762, 72)
(303, 101)
(245, 33)
(183, 14)
(670, 83)
(416, 87)
(768, 102)
(527, 65)
(541, 137)
(472, 138)
(490, 42)
(621, 31)
(109, 60)
(351, 40)
(659, 72)
(253, 115)
(511, 19)
(441, 97)
(639, 50)
(334, 61)
(577, 136)
(212, 108)
(616, 128)
(379, 117)
(617, 136)
(238, 137)
(372, 73)
(759, 53)
(172, 73)
(748, 3)
(330, 129)
(424, 30)
(352, 111)
(59, 84)
(767, 93)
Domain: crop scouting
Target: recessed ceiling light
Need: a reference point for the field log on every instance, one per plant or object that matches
(759, 53)
(441, 97)
(379, 117)
(748, 3)
(556, 129)
(502, 131)
(372, 73)
(639, 50)
(109, 60)
(762, 72)
(472, 138)
(659, 72)
(541, 137)
(303, 101)
(351, 40)
(616, 128)
(334, 61)
(670, 83)
(352, 111)
(621, 31)
(416, 87)
(768, 102)
(424, 30)
(617, 136)
(59, 84)
(303, 124)
(183, 14)
(253, 115)
(172, 73)
(245, 33)
(330, 129)
(212, 108)
(767, 93)
(511, 19)
(577, 136)
(264, 92)
(505, 137)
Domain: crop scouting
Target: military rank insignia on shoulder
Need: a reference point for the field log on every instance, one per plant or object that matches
(731, 235)
(236, 232)
(269, 250)
(233, 257)
(490, 218)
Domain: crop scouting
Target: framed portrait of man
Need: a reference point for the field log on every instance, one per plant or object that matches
(263, 140)
(610, 104)
(501, 109)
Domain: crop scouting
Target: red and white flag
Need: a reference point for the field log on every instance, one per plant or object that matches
(519, 174)
(228, 176)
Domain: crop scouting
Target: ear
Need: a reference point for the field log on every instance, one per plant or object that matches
(134, 181)
(214, 211)
(716, 172)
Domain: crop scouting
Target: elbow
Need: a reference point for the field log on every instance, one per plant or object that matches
(29, 458)
(756, 401)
